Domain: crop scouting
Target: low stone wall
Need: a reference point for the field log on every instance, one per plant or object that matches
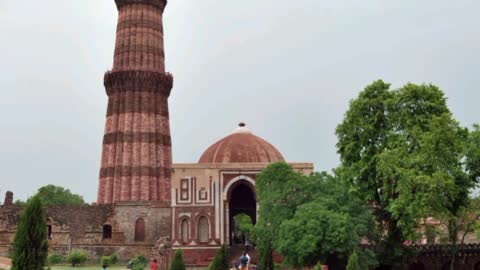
(82, 227)
(9, 218)
(199, 258)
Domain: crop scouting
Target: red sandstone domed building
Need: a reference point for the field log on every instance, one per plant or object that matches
(146, 204)
(208, 194)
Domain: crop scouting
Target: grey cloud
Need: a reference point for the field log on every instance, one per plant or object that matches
(286, 68)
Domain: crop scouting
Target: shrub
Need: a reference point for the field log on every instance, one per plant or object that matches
(140, 262)
(222, 260)
(109, 260)
(106, 261)
(353, 262)
(318, 266)
(178, 263)
(113, 258)
(55, 258)
(139, 267)
(77, 257)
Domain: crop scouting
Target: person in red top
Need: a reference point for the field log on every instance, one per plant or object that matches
(154, 265)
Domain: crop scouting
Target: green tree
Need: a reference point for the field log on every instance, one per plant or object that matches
(56, 195)
(222, 260)
(461, 223)
(20, 202)
(30, 245)
(473, 154)
(405, 154)
(332, 224)
(178, 262)
(278, 192)
(244, 224)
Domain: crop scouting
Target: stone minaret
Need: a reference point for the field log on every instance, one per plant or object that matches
(136, 154)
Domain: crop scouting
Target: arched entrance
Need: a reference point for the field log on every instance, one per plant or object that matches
(242, 200)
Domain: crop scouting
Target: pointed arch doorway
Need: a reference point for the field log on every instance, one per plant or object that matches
(242, 199)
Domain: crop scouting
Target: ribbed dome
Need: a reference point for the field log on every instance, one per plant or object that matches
(242, 146)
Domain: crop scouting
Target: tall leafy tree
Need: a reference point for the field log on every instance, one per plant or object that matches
(404, 153)
(30, 245)
(333, 223)
(465, 221)
(279, 194)
(463, 211)
(308, 218)
(473, 154)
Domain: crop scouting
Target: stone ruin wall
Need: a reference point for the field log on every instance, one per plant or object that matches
(9, 218)
(81, 227)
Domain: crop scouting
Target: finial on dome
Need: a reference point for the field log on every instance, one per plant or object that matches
(242, 128)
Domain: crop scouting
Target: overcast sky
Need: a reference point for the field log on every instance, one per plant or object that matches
(287, 68)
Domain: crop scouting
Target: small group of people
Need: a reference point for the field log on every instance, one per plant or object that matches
(245, 263)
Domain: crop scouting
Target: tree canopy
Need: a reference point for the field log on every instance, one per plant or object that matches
(408, 158)
(307, 218)
(56, 195)
(244, 223)
(333, 222)
(278, 192)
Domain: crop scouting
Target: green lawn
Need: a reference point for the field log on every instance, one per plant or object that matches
(87, 268)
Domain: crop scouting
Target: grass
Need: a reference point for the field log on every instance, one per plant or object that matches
(99, 267)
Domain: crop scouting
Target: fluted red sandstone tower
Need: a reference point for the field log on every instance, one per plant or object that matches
(136, 155)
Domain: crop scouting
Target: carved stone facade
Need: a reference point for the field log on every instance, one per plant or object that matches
(207, 192)
(137, 153)
(146, 205)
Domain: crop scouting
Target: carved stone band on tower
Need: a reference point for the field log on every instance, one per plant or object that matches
(136, 154)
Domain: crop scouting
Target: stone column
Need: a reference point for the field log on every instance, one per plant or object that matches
(136, 155)
(8, 198)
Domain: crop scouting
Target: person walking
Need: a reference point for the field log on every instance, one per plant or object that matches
(154, 265)
(243, 261)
